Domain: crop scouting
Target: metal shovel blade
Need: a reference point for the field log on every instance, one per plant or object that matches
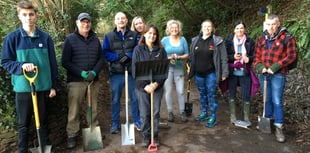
(46, 149)
(128, 134)
(242, 124)
(92, 139)
(264, 125)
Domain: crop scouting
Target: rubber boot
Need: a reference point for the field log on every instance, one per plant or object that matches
(246, 112)
(232, 107)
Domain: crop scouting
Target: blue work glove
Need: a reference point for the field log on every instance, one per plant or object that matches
(91, 76)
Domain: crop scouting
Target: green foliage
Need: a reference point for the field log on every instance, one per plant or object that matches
(7, 109)
(57, 17)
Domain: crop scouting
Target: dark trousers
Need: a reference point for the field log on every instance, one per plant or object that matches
(24, 109)
(244, 82)
(144, 100)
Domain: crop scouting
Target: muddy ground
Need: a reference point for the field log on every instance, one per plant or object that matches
(195, 137)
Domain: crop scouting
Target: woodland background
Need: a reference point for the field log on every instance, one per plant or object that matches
(57, 17)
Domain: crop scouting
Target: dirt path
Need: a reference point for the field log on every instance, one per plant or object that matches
(194, 137)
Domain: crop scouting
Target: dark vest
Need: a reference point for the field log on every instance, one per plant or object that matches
(84, 53)
(118, 45)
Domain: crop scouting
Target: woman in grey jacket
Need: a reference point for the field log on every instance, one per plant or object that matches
(208, 64)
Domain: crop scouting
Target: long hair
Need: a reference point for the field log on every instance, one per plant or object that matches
(132, 28)
(213, 29)
(147, 28)
(239, 22)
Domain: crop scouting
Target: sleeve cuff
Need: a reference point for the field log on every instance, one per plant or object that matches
(259, 68)
(275, 67)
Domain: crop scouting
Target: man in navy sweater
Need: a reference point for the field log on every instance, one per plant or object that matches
(23, 49)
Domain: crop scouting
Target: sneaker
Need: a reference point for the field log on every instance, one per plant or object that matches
(170, 117)
(279, 135)
(211, 122)
(71, 142)
(137, 125)
(183, 117)
(202, 117)
(114, 128)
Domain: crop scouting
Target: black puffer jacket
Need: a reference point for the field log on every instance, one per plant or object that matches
(81, 54)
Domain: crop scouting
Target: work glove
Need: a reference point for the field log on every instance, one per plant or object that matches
(90, 76)
(84, 74)
(124, 60)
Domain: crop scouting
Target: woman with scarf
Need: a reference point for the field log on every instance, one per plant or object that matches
(240, 51)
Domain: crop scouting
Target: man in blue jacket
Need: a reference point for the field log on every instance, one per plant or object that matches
(117, 48)
(25, 48)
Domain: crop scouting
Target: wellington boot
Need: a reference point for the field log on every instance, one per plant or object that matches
(232, 107)
(246, 111)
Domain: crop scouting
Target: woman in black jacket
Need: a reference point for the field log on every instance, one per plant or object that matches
(240, 51)
(149, 48)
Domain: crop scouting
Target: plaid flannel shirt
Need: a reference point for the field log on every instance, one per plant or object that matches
(277, 57)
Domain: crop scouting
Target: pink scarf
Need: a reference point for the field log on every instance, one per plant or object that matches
(240, 42)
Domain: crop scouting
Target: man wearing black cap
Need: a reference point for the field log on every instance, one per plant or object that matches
(82, 58)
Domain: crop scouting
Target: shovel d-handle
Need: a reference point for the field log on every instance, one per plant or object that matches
(31, 79)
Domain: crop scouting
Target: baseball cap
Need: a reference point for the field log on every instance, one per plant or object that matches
(83, 16)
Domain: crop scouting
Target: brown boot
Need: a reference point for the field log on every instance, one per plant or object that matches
(279, 134)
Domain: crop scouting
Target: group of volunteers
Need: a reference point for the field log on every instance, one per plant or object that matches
(212, 60)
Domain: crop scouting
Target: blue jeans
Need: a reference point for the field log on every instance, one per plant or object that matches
(207, 90)
(117, 83)
(275, 89)
(24, 110)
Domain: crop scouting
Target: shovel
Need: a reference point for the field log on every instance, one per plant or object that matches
(152, 147)
(264, 123)
(188, 105)
(31, 79)
(128, 130)
(92, 139)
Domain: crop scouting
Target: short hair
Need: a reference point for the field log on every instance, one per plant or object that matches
(169, 24)
(132, 28)
(122, 13)
(25, 5)
(273, 16)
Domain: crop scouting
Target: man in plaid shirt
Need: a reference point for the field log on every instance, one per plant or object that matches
(272, 57)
